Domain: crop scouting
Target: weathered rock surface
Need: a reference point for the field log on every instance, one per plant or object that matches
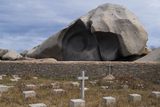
(152, 56)
(11, 55)
(2, 52)
(109, 32)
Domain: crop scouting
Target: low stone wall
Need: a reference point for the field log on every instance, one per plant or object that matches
(148, 71)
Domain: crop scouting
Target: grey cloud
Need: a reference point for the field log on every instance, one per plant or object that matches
(34, 19)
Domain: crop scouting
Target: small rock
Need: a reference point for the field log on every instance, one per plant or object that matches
(16, 77)
(55, 85)
(125, 87)
(93, 82)
(109, 77)
(104, 87)
(58, 91)
(85, 89)
(35, 78)
(1, 77)
(75, 84)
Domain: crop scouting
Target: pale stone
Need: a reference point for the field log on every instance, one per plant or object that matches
(134, 98)
(109, 77)
(77, 103)
(104, 87)
(109, 101)
(55, 85)
(4, 88)
(93, 82)
(3, 52)
(1, 77)
(85, 89)
(4, 75)
(12, 55)
(28, 94)
(38, 105)
(75, 84)
(155, 94)
(16, 77)
(35, 78)
(58, 91)
(31, 86)
(14, 80)
(125, 87)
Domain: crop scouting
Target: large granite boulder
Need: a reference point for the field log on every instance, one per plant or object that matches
(152, 56)
(109, 32)
(11, 55)
(3, 52)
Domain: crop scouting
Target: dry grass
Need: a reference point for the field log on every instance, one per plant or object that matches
(14, 97)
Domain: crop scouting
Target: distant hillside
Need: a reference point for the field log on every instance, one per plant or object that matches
(152, 56)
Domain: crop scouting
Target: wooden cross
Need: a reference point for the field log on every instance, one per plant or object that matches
(83, 78)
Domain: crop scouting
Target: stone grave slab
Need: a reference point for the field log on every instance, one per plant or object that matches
(28, 94)
(108, 101)
(77, 103)
(155, 94)
(4, 88)
(38, 105)
(31, 86)
(134, 98)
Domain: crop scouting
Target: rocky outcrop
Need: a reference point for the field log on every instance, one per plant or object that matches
(3, 52)
(11, 55)
(152, 56)
(109, 32)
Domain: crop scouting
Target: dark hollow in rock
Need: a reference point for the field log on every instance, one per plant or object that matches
(79, 44)
(108, 45)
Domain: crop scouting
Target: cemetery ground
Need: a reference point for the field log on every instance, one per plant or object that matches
(120, 88)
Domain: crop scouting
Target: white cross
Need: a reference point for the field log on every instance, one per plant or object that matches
(83, 78)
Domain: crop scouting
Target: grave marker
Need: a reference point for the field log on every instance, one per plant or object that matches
(109, 101)
(28, 94)
(155, 94)
(4, 88)
(82, 79)
(134, 98)
(38, 105)
(77, 103)
(31, 86)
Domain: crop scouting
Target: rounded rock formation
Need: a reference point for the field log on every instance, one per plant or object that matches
(109, 32)
(11, 55)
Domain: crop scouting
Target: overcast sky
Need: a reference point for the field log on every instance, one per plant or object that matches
(26, 23)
